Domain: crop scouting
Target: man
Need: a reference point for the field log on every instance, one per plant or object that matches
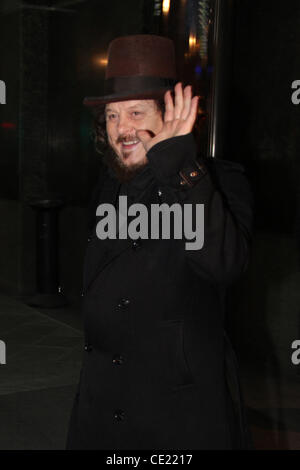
(155, 369)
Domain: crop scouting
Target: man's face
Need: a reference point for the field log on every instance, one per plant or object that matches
(122, 120)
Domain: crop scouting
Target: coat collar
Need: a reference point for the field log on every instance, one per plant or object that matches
(138, 189)
(138, 183)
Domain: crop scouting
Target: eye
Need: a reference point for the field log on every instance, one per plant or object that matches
(136, 113)
(111, 117)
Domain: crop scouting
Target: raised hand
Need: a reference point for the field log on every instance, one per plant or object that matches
(179, 118)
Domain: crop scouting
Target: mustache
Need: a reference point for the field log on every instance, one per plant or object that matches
(128, 138)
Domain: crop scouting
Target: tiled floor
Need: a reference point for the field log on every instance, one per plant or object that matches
(38, 383)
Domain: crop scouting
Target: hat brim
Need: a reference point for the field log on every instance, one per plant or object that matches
(95, 101)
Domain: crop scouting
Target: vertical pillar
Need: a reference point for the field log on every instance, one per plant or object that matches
(47, 260)
(222, 68)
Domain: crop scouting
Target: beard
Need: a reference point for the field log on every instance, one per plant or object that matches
(122, 172)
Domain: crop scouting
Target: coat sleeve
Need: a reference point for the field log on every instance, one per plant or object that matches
(228, 206)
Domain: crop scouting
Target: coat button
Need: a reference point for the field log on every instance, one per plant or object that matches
(136, 244)
(119, 415)
(88, 347)
(124, 303)
(117, 359)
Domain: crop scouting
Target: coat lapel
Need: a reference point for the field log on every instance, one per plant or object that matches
(102, 252)
(98, 250)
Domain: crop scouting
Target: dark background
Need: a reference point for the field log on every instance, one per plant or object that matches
(51, 59)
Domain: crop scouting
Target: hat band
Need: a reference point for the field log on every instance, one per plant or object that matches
(136, 84)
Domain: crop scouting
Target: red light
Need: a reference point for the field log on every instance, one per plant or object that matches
(7, 125)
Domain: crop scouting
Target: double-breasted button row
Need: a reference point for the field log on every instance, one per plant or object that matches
(119, 415)
(124, 303)
(136, 244)
(117, 359)
(88, 347)
(159, 195)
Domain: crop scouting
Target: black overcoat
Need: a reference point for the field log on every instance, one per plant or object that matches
(153, 373)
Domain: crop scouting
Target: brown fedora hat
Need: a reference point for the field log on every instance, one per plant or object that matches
(139, 67)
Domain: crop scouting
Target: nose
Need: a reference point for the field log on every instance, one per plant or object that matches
(124, 124)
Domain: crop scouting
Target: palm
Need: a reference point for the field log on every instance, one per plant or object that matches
(179, 118)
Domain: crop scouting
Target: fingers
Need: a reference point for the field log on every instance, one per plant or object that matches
(183, 109)
(169, 107)
(190, 120)
(174, 112)
(178, 101)
(187, 102)
(182, 105)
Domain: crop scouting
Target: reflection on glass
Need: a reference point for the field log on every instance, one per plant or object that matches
(100, 61)
(192, 42)
(166, 6)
